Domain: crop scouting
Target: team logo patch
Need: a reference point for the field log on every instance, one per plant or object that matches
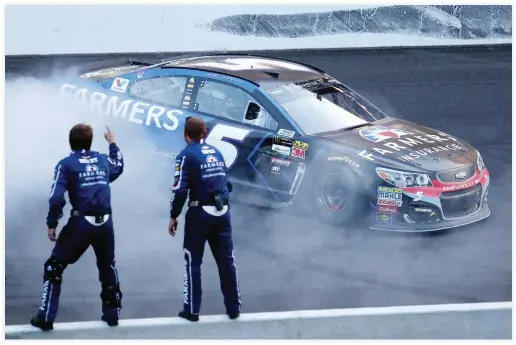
(91, 167)
(211, 159)
(379, 134)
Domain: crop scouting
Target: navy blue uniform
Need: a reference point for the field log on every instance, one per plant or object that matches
(200, 168)
(86, 176)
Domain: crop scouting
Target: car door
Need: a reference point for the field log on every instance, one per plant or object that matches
(244, 127)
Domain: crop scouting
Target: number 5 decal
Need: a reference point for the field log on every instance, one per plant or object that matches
(229, 151)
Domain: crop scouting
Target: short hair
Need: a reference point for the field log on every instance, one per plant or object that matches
(195, 127)
(80, 137)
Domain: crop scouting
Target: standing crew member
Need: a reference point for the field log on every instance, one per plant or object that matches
(200, 168)
(86, 176)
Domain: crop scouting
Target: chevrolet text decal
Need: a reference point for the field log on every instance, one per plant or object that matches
(135, 111)
(401, 140)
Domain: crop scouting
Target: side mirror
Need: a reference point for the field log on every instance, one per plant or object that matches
(252, 112)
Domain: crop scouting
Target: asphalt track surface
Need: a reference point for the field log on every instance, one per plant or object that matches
(288, 262)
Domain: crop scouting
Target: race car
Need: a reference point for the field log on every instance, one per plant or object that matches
(293, 136)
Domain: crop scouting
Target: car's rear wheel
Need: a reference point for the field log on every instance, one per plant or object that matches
(337, 197)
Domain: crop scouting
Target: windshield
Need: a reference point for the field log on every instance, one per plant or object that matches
(335, 110)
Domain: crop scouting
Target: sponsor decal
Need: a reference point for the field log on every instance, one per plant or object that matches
(284, 150)
(387, 209)
(134, 111)
(461, 186)
(86, 160)
(120, 85)
(275, 170)
(213, 165)
(298, 153)
(207, 150)
(390, 196)
(282, 141)
(286, 133)
(398, 141)
(379, 134)
(384, 218)
(139, 75)
(279, 161)
(301, 145)
(344, 159)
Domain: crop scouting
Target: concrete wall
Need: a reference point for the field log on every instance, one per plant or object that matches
(94, 29)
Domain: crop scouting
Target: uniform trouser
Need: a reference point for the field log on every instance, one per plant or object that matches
(74, 239)
(199, 228)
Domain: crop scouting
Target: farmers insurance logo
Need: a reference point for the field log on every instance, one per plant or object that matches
(379, 134)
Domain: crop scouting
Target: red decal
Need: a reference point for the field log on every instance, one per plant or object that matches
(297, 152)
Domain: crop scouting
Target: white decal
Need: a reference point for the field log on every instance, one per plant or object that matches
(279, 161)
(219, 133)
(419, 196)
(134, 111)
(285, 150)
(286, 133)
(461, 186)
(366, 155)
(120, 85)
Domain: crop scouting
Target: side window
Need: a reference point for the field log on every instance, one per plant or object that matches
(164, 90)
(230, 102)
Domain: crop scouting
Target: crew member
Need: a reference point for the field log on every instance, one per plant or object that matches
(200, 168)
(86, 176)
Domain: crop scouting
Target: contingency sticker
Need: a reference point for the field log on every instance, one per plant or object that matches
(390, 196)
(284, 150)
(120, 85)
(286, 133)
(301, 145)
(298, 153)
(384, 218)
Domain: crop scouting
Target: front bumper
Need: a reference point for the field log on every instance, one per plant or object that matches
(446, 205)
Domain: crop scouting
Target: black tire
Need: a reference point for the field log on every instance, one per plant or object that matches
(337, 196)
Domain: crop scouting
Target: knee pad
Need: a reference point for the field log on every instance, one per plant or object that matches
(54, 270)
(111, 296)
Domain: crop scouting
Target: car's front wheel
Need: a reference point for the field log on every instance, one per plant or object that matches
(337, 196)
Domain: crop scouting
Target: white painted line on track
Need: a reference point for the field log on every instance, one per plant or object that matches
(270, 316)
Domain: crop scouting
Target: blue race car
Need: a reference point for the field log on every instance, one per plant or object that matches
(293, 136)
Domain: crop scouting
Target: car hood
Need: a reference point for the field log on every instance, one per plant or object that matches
(410, 143)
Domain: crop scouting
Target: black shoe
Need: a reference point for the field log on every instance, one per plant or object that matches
(188, 316)
(43, 325)
(110, 321)
(233, 316)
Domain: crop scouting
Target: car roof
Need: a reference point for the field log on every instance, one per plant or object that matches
(264, 71)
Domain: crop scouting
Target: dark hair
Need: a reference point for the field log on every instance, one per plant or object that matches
(195, 128)
(81, 136)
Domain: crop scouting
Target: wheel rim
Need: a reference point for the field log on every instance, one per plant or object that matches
(334, 193)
